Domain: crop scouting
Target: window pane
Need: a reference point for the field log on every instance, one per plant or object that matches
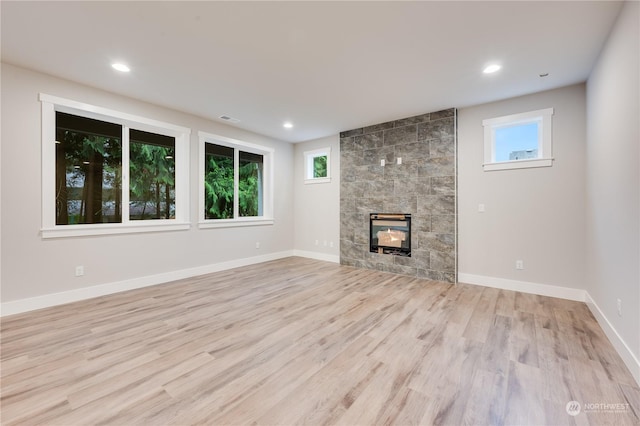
(88, 170)
(516, 142)
(218, 182)
(250, 184)
(320, 166)
(152, 165)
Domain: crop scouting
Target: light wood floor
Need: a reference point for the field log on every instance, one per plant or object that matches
(298, 341)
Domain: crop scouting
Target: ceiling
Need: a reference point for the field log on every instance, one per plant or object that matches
(324, 66)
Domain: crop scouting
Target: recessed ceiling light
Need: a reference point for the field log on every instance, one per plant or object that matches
(120, 67)
(491, 69)
(287, 125)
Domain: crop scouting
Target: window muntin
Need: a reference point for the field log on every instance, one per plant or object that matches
(86, 171)
(317, 165)
(518, 141)
(236, 180)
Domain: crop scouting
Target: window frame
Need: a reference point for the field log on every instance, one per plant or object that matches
(309, 156)
(52, 104)
(542, 117)
(267, 217)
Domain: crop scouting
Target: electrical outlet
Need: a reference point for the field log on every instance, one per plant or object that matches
(481, 208)
(330, 243)
(317, 242)
(79, 271)
(399, 160)
(519, 264)
(382, 163)
(619, 305)
(257, 245)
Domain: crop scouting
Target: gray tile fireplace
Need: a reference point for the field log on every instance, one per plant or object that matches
(405, 167)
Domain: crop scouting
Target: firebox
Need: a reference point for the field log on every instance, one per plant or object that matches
(390, 233)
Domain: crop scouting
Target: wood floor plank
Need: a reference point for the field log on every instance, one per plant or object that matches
(300, 341)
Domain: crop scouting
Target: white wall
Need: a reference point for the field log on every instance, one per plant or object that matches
(33, 267)
(613, 180)
(535, 215)
(317, 206)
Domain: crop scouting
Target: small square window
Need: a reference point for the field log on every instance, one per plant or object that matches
(317, 166)
(518, 141)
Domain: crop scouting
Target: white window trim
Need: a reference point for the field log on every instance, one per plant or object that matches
(308, 165)
(267, 195)
(545, 158)
(50, 105)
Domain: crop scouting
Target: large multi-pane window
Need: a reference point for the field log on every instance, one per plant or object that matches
(235, 182)
(109, 172)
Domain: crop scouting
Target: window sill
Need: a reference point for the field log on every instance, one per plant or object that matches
(233, 223)
(317, 180)
(66, 231)
(518, 164)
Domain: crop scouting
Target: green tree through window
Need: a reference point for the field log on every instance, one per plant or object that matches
(250, 184)
(219, 183)
(320, 166)
(152, 181)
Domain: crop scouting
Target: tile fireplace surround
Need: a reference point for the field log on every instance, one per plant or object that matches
(423, 185)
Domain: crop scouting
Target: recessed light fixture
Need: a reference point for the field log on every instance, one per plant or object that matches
(491, 69)
(287, 125)
(120, 67)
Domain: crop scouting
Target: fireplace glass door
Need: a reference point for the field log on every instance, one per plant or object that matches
(390, 233)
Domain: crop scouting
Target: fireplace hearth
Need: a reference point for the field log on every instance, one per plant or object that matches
(390, 233)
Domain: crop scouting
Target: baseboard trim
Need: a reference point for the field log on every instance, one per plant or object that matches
(627, 355)
(524, 286)
(317, 256)
(54, 299)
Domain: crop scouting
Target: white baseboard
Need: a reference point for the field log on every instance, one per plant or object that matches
(318, 256)
(630, 360)
(524, 286)
(48, 300)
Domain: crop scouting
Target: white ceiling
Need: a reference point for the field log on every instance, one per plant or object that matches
(324, 66)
